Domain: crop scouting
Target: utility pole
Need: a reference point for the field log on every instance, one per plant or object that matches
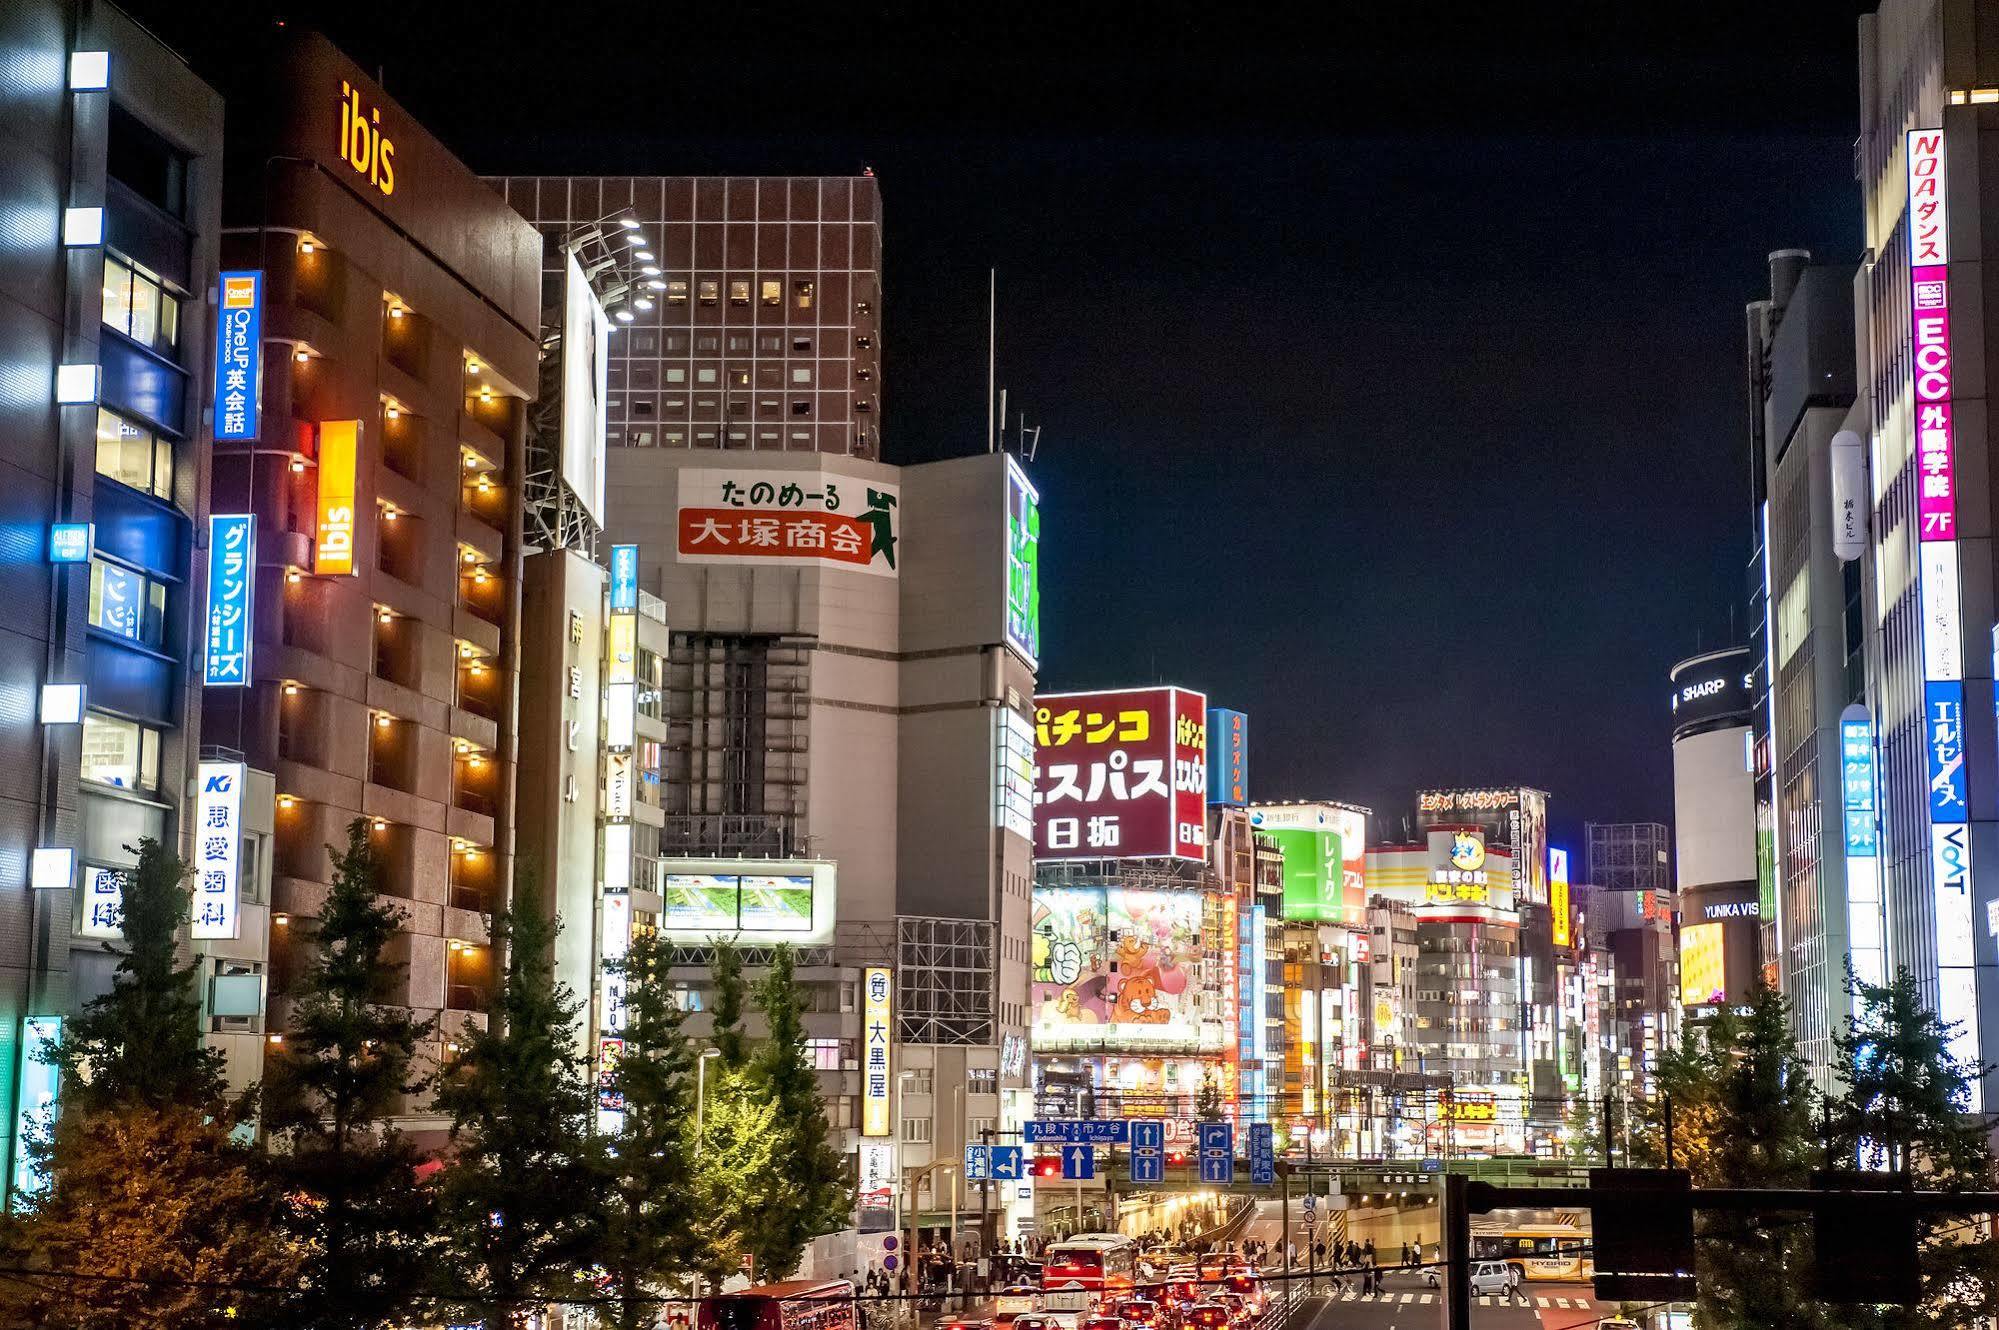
(1457, 1252)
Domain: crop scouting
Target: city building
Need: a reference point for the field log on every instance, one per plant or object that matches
(1806, 431)
(1633, 953)
(1628, 856)
(111, 176)
(1928, 79)
(381, 455)
(1714, 826)
(763, 333)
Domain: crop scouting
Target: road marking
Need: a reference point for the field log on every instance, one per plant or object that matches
(1544, 1302)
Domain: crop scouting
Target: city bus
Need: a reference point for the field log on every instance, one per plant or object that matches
(1086, 1268)
(796, 1304)
(1554, 1250)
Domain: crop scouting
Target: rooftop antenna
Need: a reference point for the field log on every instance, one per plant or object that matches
(1030, 439)
(992, 339)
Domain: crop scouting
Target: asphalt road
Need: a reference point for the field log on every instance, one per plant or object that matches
(1407, 1304)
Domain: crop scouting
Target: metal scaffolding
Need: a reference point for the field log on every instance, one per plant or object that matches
(944, 981)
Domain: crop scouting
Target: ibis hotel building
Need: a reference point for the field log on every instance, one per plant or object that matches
(381, 453)
(1929, 110)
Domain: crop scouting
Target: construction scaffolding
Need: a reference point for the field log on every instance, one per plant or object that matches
(944, 981)
(737, 731)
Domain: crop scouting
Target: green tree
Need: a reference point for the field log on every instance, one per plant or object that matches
(145, 1179)
(736, 1173)
(141, 1042)
(516, 1210)
(818, 1195)
(1743, 1114)
(1903, 1105)
(649, 1234)
(726, 1010)
(1208, 1102)
(355, 1205)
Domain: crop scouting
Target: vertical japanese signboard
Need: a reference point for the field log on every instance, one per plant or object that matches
(239, 355)
(614, 937)
(339, 458)
(1023, 564)
(621, 660)
(37, 1091)
(877, 1030)
(1558, 896)
(1121, 774)
(1228, 757)
(1859, 795)
(1931, 374)
(218, 841)
(232, 566)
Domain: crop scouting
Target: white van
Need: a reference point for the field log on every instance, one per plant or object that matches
(1490, 1277)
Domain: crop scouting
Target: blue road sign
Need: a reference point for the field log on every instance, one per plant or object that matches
(1085, 1131)
(1262, 1155)
(1216, 1141)
(1148, 1151)
(1079, 1162)
(1433, 1165)
(1005, 1163)
(976, 1163)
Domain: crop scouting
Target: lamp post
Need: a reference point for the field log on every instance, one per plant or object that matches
(901, 1177)
(701, 1097)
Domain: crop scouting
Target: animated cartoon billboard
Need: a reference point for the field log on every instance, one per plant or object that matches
(1116, 968)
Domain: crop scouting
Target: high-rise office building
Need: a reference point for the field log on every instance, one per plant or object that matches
(1806, 665)
(383, 461)
(110, 176)
(760, 326)
(1714, 828)
(1929, 78)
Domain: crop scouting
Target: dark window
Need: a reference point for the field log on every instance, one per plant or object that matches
(801, 407)
(145, 163)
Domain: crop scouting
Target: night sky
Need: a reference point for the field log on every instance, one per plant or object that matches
(1389, 367)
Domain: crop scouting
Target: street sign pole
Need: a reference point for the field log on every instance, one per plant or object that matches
(987, 1241)
(1457, 1251)
(1284, 1210)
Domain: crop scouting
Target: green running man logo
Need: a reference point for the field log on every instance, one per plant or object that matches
(880, 517)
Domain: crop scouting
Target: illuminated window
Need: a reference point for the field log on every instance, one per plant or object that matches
(823, 1054)
(120, 753)
(802, 291)
(707, 342)
(739, 378)
(739, 341)
(710, 290)
(676, 294)
(801, 373)
(127, 603)
(706, 374)
(863, 343)
(770, 341)
(739, 291)
(676, 374)
(133, 455)
(773, 291)
(136, 305)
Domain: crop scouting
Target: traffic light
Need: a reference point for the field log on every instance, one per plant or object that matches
(1176, 1157)
(1048, 1166)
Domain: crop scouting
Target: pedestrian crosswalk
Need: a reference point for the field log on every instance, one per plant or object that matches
(1544, 1302)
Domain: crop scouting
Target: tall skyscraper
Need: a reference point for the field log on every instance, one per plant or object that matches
(760, 327)
(1807, 666)
(1928, 79)
(1628, 856)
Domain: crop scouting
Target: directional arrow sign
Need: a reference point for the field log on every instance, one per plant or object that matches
(1148, 1151)
(1005, 1161)
(1079, 1162)
(1217, 1146)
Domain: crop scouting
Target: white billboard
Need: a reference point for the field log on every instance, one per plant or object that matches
(586, 334)
(757, 901)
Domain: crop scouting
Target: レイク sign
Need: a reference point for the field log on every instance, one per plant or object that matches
(239, 355)
(1121, 775)
(232, 566)
(218, 840)
(787, 517)
(877, 1029)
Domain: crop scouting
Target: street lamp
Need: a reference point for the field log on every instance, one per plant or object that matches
(901, 1171)
(701, 1096)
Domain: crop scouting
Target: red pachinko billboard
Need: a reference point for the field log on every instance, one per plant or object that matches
(1121, 774)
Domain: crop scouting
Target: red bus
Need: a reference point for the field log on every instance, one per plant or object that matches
(1078, 1271)
(796, 1304)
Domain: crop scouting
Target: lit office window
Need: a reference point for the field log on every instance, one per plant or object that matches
(133, 455)
(120, 753)
(127, 603)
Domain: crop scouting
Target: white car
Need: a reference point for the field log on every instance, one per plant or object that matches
(1487, 1277)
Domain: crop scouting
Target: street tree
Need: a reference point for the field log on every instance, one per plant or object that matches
(151, 1211)
(354, 1204)
(818, 1196)
(726, 1011)
(736, 1177)
(649, 1239)
(516, 1212)
(1208, 1102)
(1743, 1114)
(1904, 1105)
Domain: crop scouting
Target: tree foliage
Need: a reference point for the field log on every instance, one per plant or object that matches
(1903, 1105)
(817, 1196)
(649, 1237)
(347, 1062)
(735, 1174)
(516, 1206)
(1208, 1101)
(727, 1009)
